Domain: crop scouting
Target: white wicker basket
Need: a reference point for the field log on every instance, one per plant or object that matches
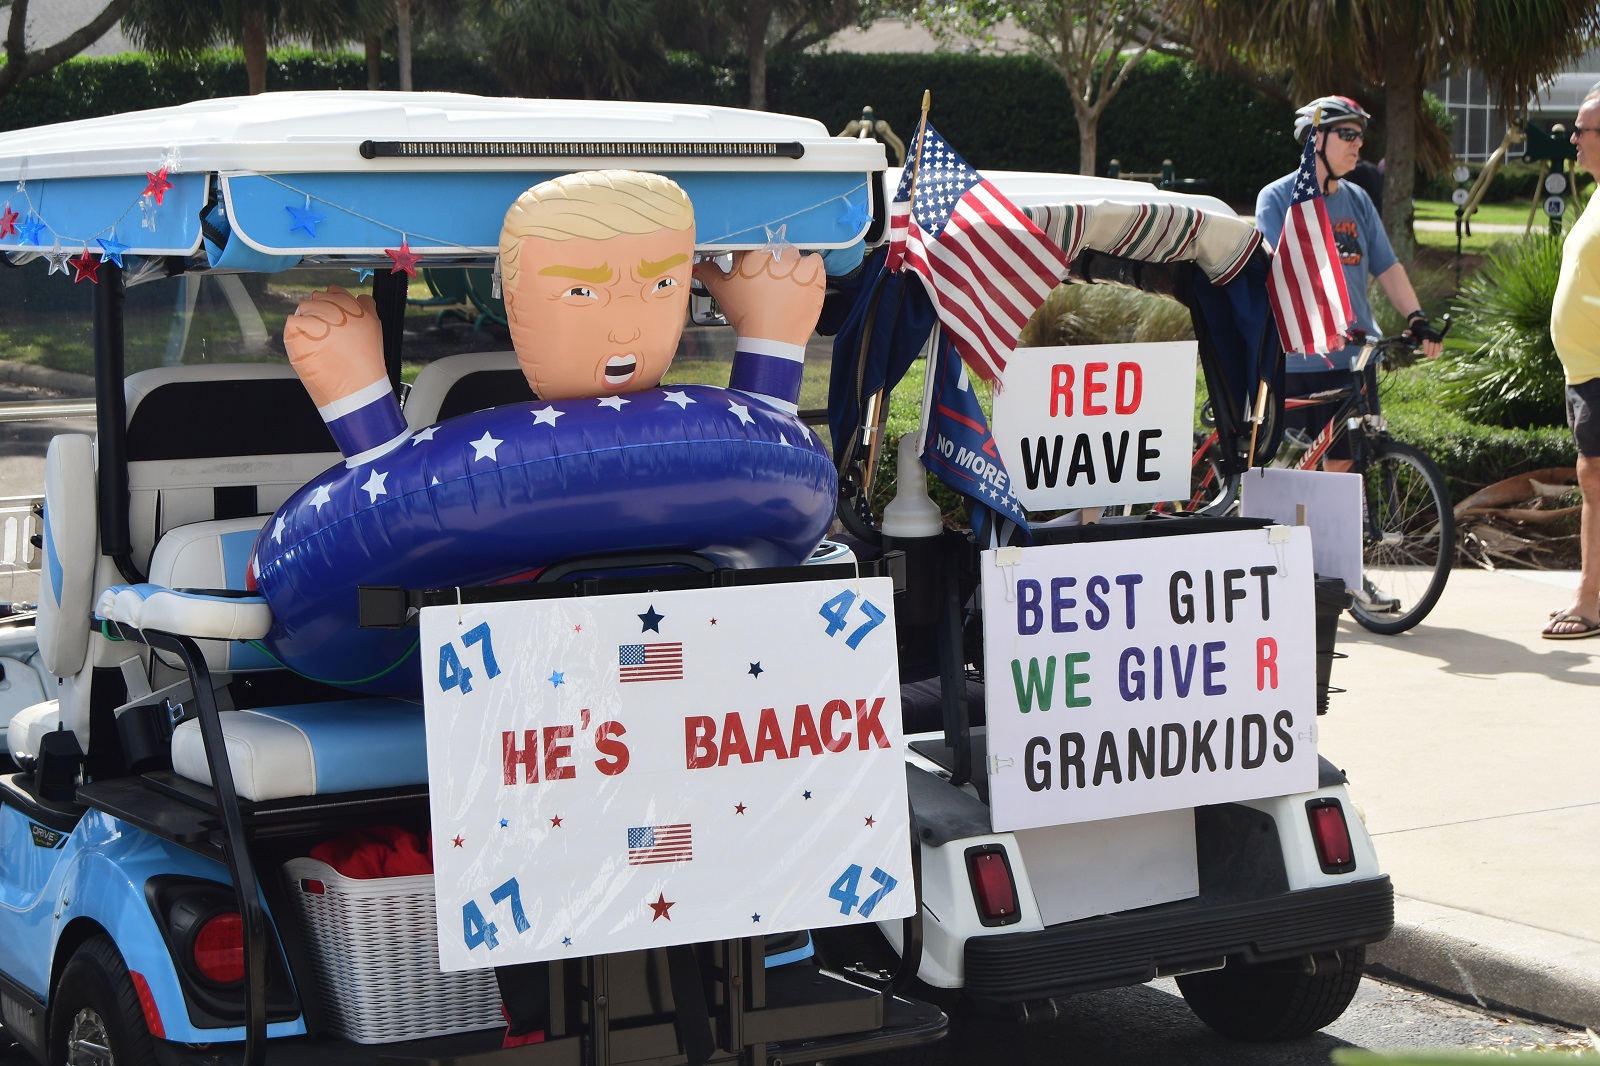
(377, 960)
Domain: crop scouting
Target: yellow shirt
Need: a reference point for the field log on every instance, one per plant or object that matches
(1575, 316)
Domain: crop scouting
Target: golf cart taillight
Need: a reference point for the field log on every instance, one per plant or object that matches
(993, 888)
(219, 949)
(1331, 835)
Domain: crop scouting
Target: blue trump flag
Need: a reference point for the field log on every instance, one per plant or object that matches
(889, 322)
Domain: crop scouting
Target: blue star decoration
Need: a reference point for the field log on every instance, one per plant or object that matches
(304, 218)
(361, 273)
(804, 795)
(566, 941)
(651, 621)
(111, 249)
(755, 917)
(557, 678)
(504, 822)
(755, 669)
(32, 231)
(854, 217)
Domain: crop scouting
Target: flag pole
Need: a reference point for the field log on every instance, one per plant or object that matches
(872, 421)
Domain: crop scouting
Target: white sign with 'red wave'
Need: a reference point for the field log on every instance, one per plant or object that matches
(1097, 425)
(611, 773)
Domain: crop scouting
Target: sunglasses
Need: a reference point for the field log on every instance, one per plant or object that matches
(1347, 134)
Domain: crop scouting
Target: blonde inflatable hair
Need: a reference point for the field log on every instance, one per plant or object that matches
(595, 204)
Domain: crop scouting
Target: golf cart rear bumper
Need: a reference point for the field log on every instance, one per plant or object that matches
(1126, 949)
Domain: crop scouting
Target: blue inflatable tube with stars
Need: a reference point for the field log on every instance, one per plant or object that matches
(496, 495)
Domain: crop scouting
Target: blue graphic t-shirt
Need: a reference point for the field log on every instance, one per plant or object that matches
(1363, 249)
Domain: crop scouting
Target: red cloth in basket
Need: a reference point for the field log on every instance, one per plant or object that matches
(382, 851)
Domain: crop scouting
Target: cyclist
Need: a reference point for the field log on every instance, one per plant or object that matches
(1340, 124)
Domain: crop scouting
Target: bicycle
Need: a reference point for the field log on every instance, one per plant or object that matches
(1409, 529)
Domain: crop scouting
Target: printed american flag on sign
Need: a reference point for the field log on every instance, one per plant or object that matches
(1306, 284)
(651, 662)
(986, 266)
(651, 844)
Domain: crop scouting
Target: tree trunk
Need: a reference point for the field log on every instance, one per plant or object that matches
(757, 16)
(254, 44)
(1402, 95)
(374, 50)
(1088, 142)
(402, 20)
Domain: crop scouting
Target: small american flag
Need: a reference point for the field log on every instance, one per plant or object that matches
(651, 662)
(651, 844)
(1306, 284)
(986, 266)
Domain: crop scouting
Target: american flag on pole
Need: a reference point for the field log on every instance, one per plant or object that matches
(651, 662)
(985, 265)
(1306, 283)
(651, 844)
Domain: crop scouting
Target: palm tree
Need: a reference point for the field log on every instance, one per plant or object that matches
(183, 27)
(758, 27)
(592, 48)
(1402, 46)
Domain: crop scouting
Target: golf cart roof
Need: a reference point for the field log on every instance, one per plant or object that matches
(344, 175)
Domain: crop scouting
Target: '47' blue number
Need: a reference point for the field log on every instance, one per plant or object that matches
(835, 610)
(845, 894)
(475, 929)
(452, 673)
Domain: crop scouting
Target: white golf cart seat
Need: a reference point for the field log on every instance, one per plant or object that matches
(212, 451)
(457, 384)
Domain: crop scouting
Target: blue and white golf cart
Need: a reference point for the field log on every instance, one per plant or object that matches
(164, 793)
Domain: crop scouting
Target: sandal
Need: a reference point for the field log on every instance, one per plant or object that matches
(1590, 628)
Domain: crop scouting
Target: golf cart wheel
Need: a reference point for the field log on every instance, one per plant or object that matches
(1272, 1001)
(95, 1019)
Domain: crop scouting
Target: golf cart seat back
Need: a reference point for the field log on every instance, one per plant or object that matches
(458, 384)
(216, 442)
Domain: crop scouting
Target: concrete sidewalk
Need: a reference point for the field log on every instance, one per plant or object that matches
(1473, 749)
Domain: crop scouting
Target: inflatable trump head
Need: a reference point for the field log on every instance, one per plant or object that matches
(595, 273)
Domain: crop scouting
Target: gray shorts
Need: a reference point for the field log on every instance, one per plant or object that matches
(1583, 416)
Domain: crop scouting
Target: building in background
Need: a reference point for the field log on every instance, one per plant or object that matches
(1479, 126)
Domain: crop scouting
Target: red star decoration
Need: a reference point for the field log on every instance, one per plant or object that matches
(8, 222)
(458, 841)
(869, 820)
(555, 822)
(85, 267)
(577, 629)
(158, 184)
(405, 260)
(661, 907)
(713, 621)
(739, 809)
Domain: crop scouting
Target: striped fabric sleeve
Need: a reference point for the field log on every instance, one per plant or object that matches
(365, 424)
(768, 370)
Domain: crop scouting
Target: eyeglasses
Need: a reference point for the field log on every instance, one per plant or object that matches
(1347, 134)
(1579, 131)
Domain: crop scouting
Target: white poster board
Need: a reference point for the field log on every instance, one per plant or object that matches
(611, 773)
(1095, 425)
(1148, 675)
(1331, 504)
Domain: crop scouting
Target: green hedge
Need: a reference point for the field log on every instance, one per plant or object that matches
(1000, 112)
(1514, 182)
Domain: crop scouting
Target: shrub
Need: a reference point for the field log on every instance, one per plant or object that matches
(1511, 377)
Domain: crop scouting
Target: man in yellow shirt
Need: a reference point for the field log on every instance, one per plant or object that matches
(1575, 329)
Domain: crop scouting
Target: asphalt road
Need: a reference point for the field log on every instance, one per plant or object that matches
(1141, 1026)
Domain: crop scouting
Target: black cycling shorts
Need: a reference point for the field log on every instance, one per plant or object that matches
(1583, 416)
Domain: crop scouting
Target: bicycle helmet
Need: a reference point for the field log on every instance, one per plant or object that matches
(1334, 109)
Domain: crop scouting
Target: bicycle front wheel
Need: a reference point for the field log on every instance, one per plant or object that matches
(1409, 539)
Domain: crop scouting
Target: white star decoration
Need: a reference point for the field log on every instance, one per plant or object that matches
(58, 261)
(422, 435)
(546, 416)
(485, 446)
(614, 402)
(319, 496)
(777, 241)
(742, 412)
(374, 486)
(277, 530)
(680, 398)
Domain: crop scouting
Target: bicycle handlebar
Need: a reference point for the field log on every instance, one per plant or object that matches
(1374, 350)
